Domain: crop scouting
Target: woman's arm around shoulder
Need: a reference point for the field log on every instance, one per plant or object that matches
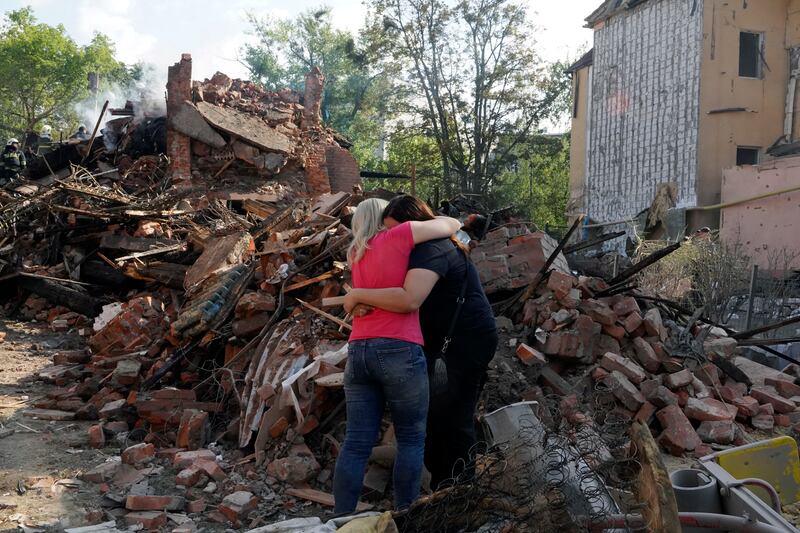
(438, 228)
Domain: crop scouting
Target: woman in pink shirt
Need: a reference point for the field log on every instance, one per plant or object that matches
(385, 364)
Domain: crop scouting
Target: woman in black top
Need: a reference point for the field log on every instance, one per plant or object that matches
(438, 271)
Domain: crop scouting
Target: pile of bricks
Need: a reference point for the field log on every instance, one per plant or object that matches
(692, 387)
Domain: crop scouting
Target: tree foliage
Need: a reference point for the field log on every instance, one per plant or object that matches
(43, 72)
(475, 79)
(288, 49)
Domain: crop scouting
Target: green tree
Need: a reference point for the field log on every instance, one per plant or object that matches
(288, 49)
(475, 78)
(536, 180)
(43, 72)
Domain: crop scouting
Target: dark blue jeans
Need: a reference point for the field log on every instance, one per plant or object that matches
(381, 371)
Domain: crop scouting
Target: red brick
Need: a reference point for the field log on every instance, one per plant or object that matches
(560, 283)
(724, 347)
(646, 413)
(614, 331)
(771, 396)
(189, 477)
(112, 409)
(729, 393)
(630, 369)
(785, 387)
(719, 432)
(653, 324)
(154, 503)
(649, 386)
(599, 374)
(193, 429)
(709, 375)
(662, 397)
(211, 468)
(709, 409)
(238, 506)
(632, 322)
(97, 438)
(782, 421)
(599, 312)
(747, 406)
(645, 355)
(763, 421)
(698, 389)
(678, 435)
(150, 520)
(766, 408)
(626, 305)
(625, 391)
(184, 459)
(138, 453)
(196, 506)
(169, 453)
(530, 356)
(678, 379)
(279, 427)
(174, 394)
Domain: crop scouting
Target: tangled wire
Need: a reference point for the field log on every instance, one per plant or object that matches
(557, 473)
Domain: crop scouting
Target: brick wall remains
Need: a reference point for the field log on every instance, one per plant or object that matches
(179, 89)
(317, 179)
(342, 168)
(312, 99)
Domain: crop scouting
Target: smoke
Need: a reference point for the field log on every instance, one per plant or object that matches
(146, 93)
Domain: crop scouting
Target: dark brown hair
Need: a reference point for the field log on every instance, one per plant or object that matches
(405, 207)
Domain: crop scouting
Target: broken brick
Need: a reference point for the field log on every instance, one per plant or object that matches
(150, 520)
(718, 431)
(154, 503)
(97, 439)
(626, 306)
(632, 322)
(193, 429)
(184, 459)
(785, 386)
(211, 468)
(645, 355)
(138, 453)
(662, 397)
(599, 312)
(678, 379)
(624, 391)
(189, 477)
(747, 406)
(677, 435)
(530, 356)
(630, 369)
(238, 506)
(770, 395)
(709, 409)
(653, 324)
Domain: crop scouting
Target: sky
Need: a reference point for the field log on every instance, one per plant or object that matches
(213, 31)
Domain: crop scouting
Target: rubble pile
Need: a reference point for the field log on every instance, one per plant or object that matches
(688, 381)
(199, 278)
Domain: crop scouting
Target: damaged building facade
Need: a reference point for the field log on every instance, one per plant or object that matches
(676, 91)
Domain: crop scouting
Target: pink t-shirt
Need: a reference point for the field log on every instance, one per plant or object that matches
(383, 265)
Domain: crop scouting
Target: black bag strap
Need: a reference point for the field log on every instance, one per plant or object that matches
(459, 305)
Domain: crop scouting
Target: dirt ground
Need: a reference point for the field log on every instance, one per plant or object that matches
(41, 458)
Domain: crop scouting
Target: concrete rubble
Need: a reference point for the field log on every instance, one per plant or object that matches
(212, 361)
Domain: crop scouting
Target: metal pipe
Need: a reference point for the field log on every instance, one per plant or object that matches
(726, 523)
(698, 520)
(773, 494)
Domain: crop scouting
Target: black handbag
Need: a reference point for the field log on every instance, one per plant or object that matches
(438, 378)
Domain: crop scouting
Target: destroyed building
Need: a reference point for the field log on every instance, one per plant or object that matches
(213, 369)
(675, 92)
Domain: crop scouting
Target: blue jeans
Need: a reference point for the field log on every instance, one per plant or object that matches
(381, 371)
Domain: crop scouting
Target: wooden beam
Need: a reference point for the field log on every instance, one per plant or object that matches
(323, 314)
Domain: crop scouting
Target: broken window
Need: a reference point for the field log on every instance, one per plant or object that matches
(746, 155)
(750, 54)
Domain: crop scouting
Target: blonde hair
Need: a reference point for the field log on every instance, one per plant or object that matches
(367, 222)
